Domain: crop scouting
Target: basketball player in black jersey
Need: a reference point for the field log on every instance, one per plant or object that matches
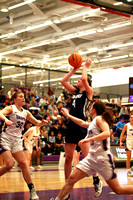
(81, 99)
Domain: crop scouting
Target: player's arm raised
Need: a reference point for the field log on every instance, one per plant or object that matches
(65, 79)
(88, 88)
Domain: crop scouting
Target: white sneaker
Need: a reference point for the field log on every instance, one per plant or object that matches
(130, 173)
(39, 167)
(33, 194)
(98, 189)
(31, 168)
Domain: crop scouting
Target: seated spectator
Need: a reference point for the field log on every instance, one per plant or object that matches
(118, 107)
(33, 102)
(51, 94)
(44, 138)
(65, 93)
(119, 127)
(43, 102)
(113, 140)
(68, 101)
(123, 111)
(49, 124)
(59, 107)
(59, 146)
(22, 88)
(52, 107)
(41, 112)
(54, 116)
(2, 98)
(61, 99)
(52, 140)
(54, 128)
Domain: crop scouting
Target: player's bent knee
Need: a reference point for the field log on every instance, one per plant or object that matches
(9, 166)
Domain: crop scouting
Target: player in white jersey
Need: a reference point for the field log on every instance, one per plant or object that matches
(14, 117)
(31, 142)
(128, 129)
(99, 159)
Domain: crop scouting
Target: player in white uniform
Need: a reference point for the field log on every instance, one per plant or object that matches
(31, 139)
(99, 159)
(14, 117)
(128, 128)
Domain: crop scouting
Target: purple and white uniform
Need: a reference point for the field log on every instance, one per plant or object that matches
(11, 136)
(100, 158)
(129, 139)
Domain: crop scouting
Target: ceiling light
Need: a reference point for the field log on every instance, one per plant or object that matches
(4, 9)
(10, 67)
(118, 3)
(20, 4)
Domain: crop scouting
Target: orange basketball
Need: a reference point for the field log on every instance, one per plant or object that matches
(75, 60)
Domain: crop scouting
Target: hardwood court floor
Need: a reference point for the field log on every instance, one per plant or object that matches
(50, 179)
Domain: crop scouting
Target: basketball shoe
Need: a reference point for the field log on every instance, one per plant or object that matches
(33, 194)
(98, 189)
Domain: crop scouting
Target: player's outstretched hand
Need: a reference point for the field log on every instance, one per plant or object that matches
(65, 112)
(41, 123)
(88, 62)
(83, 141)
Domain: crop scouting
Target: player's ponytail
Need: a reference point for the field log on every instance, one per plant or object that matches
(100, 108)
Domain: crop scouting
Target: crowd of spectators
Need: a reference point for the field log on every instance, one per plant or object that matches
(49, 108)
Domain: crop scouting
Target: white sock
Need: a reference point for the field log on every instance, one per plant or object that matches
(57, 198)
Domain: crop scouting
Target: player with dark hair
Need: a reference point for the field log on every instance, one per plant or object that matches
(81, 99)
(99, 158)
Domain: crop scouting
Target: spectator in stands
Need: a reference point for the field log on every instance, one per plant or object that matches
(27, 96)
(61, 99)
(123, 111)
(33, 102)
(2, 98)
(52, 140)
(49, 124)
(52, 107)
(59, 146)
(44, 137)
(119, 126)
(68, 101)
(65, 93)
(43, 102)
(54, 128)
(113, 140)
(59, 107)
(22, 88)
(128, 113)
(15, 88)
(54, 116)
(51, 93)
(41, 112)
(118, 107)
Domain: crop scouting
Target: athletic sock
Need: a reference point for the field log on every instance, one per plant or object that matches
(30, 186)
(95, 180)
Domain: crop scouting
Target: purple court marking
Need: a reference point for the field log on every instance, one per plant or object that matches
(76, 194)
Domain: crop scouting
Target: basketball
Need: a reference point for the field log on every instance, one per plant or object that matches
(75, 60)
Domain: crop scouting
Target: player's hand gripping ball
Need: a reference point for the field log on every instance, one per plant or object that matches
(75, 60)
